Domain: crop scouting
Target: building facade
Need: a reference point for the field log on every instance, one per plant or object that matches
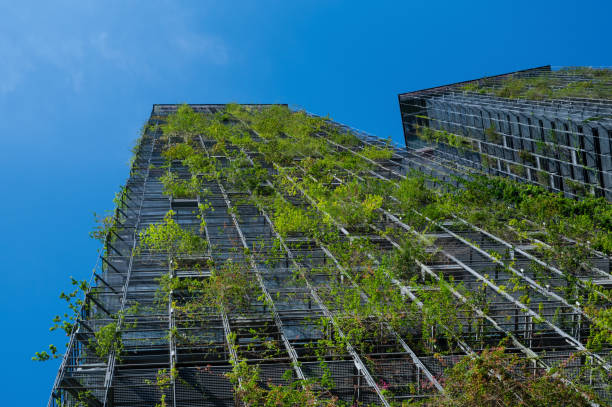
(261, 255)
(551, 128)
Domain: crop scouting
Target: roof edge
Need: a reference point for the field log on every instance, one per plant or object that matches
(543, 67)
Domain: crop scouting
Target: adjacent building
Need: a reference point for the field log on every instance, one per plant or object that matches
(542, 126)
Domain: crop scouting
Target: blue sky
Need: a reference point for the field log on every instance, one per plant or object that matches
(77, 80)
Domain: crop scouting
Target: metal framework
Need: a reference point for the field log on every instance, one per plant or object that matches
(289, 280)
(556, 140)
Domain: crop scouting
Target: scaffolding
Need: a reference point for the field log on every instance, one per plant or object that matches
(542, 126)
(172, 358)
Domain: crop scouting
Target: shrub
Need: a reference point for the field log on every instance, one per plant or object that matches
(527, 157)
(496, 378)
(377, 154)
(168, 237)
(492, 135)
(180, 188)
(178, 151)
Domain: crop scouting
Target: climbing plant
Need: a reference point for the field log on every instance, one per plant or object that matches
(181, 188)
(170, 238)
(498, 378)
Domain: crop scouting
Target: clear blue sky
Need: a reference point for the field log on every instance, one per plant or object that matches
(77, 80)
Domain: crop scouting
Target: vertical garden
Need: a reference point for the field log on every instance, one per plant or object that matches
(261, 256)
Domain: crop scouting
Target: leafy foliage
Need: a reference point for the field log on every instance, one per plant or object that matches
(377, 154)
(185, 123)
(168, 237)
(291, 219)
(103, 227)
(107, 339)
(66, 321)
(496, 378)
(593, 84)
(181, 188)
(179, 151)
(199, 164)
(228, 288)
(350, 205)
(253, 393)
(443, 136)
